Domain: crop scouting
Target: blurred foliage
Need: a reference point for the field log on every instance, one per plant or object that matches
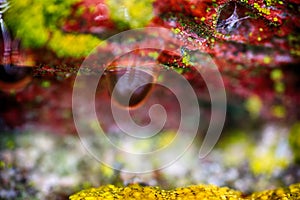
(266, 162)
(238, 143)
(7, 140)
(38, 24)
(130, 14)
(244, 145)
(294, 140)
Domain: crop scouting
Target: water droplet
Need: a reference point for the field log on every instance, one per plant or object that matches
(14, 78)
(130, 86)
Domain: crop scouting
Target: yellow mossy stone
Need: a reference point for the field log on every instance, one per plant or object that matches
(208, 192)
(292, 192)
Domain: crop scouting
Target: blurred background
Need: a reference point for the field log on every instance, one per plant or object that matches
(256, 47)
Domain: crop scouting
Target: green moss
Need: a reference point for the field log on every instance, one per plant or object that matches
(153, 55)
(2, 164)
(46, 84)
(233, 137)
(27, 23)
(276, 75)
(278, 111)
(279, 87)
(7, 140)
(267, 59)
(107, 171)
(272, 2)
(176, 30)
(130, 14)
(75, 45)
(261, 10)
(294, 140)
(38, 24)
(186, 59)
(253, 105)
(294, 40)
